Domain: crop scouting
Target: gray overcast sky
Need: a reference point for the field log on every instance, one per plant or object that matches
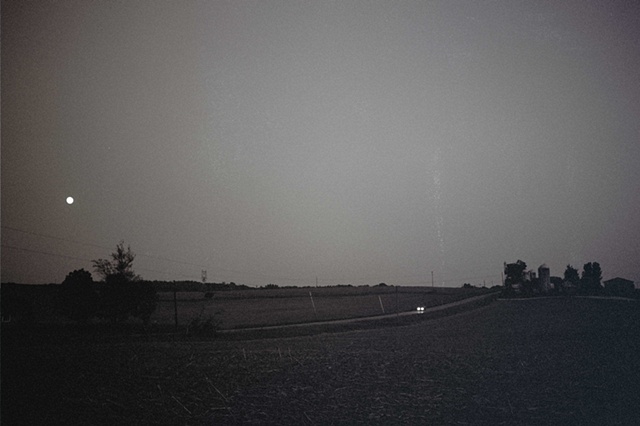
(354, 141)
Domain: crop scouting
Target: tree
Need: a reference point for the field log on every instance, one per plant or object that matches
(557, 283)
(514, 272)
(122, 291)
(591, 278)
(514, 276)
(145, 294)
(119, 267)
(571, 275)
(77, 297)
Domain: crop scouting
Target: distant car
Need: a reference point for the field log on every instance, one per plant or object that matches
(420, 309)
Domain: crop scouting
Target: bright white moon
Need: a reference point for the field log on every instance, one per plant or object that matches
(69, 200)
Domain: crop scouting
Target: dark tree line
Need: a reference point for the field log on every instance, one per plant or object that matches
(589, 283)
(78, 296)
(119, 295)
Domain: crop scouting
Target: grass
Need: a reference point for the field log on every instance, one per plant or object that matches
(254, 308)
(551, 361)
(240, 309)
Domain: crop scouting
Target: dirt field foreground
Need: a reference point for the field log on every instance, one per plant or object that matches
(547, 361)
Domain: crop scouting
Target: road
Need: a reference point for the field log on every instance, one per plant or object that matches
(370, 318)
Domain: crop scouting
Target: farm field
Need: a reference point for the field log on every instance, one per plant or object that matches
(252, 308)
(539, 361)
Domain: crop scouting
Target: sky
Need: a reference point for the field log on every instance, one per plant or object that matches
(348, 142)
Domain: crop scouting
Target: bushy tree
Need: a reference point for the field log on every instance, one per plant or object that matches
(122, 291)
(571, 275)
(557, 283)
(514, 272)
(591, 278)
(77, 296)
(119, 267)
(145, 294)
(16, 304)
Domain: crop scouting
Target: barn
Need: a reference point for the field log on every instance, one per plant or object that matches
(619, 287)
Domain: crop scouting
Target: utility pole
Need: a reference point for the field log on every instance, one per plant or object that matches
(313, 304)
(203, 275)
(431, 279)
(175, 305)
(397, 305)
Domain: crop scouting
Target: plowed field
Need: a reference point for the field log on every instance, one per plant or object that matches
(547, 361)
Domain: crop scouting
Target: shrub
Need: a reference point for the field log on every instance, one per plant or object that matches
(204, 327)
(122, 292)
(77, 297)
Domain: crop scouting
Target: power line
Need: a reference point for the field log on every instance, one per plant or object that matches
(141, 254)
(45, 252)
(88, 260)
(54, 237)
(219, 270)
(99, 246)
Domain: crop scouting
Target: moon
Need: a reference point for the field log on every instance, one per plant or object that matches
(69, 200)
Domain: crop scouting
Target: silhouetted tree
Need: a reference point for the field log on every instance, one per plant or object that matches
(77, 297)
(571, 275)
(591, 278)
(513, 274)
(120, 266)
(122, 292)
(145, 294)
(557, 283)
(16, 304)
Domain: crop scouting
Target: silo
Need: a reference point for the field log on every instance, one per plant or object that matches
(544, 277)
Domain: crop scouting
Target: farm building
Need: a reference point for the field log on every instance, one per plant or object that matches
(619, 287)
(522, 280)
(544, 278)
